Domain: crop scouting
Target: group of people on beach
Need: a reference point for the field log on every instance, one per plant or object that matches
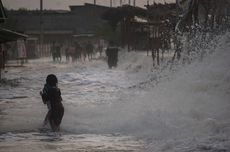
(79, 51)
(74, 51)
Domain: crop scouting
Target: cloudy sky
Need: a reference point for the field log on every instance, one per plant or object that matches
(63, 4)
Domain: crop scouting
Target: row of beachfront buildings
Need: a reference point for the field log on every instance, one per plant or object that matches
(88, 23)
(59, 26)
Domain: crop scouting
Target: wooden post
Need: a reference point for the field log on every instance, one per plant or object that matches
(41, 26)
(111, 3)
(1, 60)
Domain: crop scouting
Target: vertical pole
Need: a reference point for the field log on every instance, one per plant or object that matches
(41, 26)
(129, 2)
(120, 2)
(94, 2)
(111, 3)
(1, 61)
(134, 3)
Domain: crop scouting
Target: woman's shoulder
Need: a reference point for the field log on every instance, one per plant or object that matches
(54, 89)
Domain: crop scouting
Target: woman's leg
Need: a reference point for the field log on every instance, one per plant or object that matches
(46, 120)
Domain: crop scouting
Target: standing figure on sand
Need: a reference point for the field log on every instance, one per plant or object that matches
(112, 55)
(56, 51)
(51, 96)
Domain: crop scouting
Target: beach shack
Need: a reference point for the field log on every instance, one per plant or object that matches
(6, 36)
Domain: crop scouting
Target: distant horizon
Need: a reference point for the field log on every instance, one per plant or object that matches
(64, 4)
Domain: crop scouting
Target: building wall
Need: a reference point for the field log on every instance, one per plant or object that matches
(80, 20)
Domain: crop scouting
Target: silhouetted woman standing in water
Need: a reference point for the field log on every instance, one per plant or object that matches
(51, 95)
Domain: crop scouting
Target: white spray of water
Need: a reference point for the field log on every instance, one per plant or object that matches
(185, 112)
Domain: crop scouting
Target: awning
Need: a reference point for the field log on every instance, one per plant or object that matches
(50, 32)
(8, 35)
(84, 35)
(2, 12)
(140, 20)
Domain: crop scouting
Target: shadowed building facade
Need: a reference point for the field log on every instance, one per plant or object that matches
(58, 25)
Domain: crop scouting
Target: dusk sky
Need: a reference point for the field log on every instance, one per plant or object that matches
(64, 4)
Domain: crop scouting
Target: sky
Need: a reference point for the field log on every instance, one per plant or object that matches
(64, 4)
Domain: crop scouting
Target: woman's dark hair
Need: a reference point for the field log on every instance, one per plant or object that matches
(51, 79)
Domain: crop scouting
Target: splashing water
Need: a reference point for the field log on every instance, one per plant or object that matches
(188, 110)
